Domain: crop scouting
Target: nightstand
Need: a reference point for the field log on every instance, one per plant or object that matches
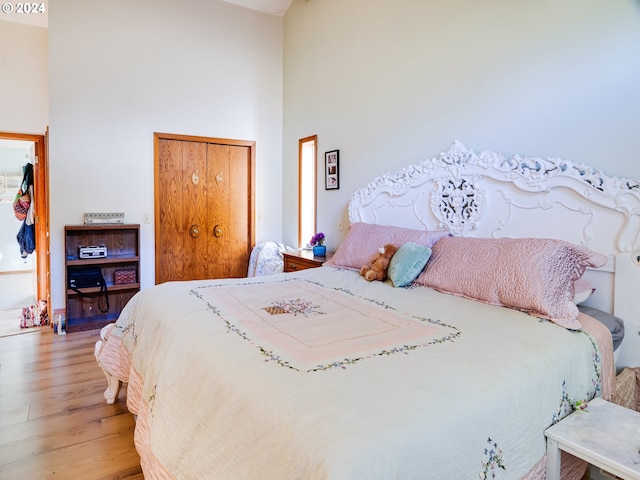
(303, 259)
(605, 435)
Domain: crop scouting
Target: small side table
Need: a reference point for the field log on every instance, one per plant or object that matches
(605, 435)
(303, 259)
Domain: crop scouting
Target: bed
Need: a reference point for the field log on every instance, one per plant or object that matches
(453, 368)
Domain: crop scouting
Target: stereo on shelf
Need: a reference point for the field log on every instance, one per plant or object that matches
(94, 251)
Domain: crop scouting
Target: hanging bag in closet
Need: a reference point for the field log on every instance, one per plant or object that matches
(23, 200)
(21, 205)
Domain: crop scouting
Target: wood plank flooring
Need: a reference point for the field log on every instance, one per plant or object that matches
(54, 421)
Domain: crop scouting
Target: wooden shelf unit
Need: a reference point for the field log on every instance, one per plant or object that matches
(83, 311)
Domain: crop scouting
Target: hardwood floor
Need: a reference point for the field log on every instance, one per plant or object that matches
(54, 421)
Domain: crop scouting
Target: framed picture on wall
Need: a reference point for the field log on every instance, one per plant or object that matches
(331, 170)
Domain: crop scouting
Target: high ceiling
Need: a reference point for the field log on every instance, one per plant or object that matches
(274, 7)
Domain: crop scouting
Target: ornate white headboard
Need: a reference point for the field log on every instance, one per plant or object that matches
(489, 194)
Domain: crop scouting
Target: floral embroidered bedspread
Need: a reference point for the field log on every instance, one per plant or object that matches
(322, 375)
(308, 326)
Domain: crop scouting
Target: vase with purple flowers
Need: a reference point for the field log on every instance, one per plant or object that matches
(317, 242)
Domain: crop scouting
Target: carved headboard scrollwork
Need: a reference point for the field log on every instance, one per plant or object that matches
(492, 195)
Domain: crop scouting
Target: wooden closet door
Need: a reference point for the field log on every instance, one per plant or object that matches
(204, 207)
(181, 229)
(229, 190)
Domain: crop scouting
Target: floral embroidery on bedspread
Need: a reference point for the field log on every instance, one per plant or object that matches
(128, 330)
(285, 340)
(151, 401)
(596, 381)
(568, 404)
(294, 307)
(494, 460)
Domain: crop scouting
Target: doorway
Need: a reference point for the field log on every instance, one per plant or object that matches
(25, 280)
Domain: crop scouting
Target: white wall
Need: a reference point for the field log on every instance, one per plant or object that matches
(121, 70)
(392, 83)
(24, 108)
(23, 78)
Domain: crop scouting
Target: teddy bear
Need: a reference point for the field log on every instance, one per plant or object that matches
(377, 268)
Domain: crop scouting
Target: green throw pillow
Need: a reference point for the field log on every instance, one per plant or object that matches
(407, 263)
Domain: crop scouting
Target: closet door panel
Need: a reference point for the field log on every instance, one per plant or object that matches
(239, 199)
(228, 178)
(194, 183)
(218, 204)
(171, 222)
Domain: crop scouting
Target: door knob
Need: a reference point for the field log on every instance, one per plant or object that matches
(195, 231)
(217, 231)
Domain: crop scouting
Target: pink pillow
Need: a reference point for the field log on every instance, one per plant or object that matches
(364, 239)
(534, 275)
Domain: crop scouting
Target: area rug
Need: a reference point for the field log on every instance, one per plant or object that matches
(10, 323)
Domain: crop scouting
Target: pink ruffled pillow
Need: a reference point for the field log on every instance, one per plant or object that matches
(535, 275)
(364, 239)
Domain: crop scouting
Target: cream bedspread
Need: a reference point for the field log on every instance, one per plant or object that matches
(322, 375)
